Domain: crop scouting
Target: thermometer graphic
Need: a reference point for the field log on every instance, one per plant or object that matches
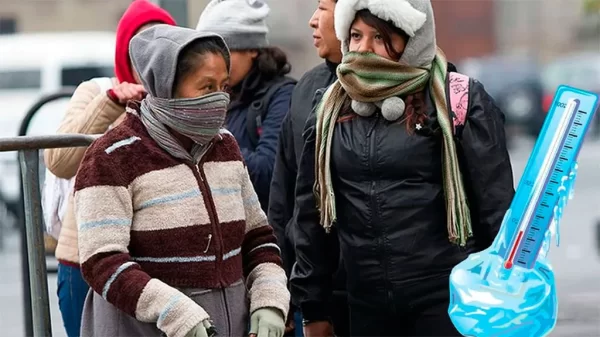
(532, 228)
(508, 289)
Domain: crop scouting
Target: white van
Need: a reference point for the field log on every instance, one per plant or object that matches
(36, 64)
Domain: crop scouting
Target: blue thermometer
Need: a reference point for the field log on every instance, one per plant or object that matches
(508, 289)
(533, 207)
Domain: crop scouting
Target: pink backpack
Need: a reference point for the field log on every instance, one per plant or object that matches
(458, 85)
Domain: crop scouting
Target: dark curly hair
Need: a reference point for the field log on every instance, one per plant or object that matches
(272, 62)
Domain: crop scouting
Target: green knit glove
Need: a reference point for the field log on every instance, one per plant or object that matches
(267, 322)
(200, 330)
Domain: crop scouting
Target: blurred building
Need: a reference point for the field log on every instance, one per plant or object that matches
(465, 28)
(60, 15)
(545, 29)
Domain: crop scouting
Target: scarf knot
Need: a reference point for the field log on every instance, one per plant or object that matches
(369, 78)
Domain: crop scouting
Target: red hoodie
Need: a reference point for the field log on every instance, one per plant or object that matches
(139, 13)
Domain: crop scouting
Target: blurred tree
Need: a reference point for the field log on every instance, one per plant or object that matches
(591, 6)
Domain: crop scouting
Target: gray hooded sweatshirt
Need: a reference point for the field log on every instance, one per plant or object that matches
(154, 53)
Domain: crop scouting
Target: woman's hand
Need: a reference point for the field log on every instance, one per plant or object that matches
(125, 92)
(318, 329)
(267, 322)
(203, 329)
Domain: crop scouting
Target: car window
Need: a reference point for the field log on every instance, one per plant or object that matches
(48, 118)
(498, 76)
(73, 76)
(20, 79)
(582, 74)
(556, 75)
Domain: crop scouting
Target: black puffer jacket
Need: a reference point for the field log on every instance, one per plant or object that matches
(391, 227)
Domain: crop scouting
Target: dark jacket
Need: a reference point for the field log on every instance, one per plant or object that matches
(391, 223)
(259, 159)
(281, 203)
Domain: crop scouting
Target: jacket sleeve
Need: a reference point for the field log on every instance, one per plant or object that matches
(104, 213)
(89, 112)
(487, 168)
(317, 253)
(265, 278)
(260, 161)
(281, 198)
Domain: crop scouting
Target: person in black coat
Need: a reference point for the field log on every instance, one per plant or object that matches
(383, 176)
(305, 96)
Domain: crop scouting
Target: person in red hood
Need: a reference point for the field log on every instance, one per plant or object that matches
(96, 106)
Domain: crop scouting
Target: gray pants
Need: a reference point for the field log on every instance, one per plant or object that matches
(228, 309)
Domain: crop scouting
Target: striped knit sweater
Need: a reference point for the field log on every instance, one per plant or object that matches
(149, 224)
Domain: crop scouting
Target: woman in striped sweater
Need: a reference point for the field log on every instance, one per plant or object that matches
(172, 236)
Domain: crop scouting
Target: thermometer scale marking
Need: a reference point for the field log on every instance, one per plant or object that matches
(548, 173)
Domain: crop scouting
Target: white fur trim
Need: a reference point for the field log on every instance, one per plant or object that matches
(400, 12)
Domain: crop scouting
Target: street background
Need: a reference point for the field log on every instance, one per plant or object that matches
(521, 50)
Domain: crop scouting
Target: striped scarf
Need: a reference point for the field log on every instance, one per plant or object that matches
(371, 78)
(198, 119)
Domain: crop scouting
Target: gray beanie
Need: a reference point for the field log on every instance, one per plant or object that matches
(241, 23)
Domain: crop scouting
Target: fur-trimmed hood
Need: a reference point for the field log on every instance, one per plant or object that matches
(414, 17)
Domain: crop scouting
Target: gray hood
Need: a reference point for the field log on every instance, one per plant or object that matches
(414, 17)
(154, 52)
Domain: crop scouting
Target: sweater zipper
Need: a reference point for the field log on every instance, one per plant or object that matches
(212, 214)
(217, 238)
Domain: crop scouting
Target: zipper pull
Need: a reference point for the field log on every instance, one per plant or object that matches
(199, 173)
(208, 244)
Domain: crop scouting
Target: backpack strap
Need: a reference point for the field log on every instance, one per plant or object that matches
(458, 88)
(259, 108)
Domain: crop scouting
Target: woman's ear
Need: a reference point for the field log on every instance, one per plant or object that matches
(253, 54)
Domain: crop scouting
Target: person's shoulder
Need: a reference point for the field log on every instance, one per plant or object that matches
(227, 137)
(314, 74)
(225, 149)
(116, 158)
(285, 84)
(87, 88)
(125, 141)
(280, 84)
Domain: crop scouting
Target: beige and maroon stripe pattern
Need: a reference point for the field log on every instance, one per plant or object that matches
(150, 223)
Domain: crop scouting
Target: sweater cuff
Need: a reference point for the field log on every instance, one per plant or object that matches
(111, 95)
(315, 311)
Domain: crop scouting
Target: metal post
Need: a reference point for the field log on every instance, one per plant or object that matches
(25, 279)
(38, 281)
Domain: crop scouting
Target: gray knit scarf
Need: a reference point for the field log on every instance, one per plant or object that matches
(198, 119)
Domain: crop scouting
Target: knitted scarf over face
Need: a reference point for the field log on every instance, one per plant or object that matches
(198, 119)
(370, 78)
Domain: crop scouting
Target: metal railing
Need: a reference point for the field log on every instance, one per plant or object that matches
(28, 152)
(20, 215)
(36, 308)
